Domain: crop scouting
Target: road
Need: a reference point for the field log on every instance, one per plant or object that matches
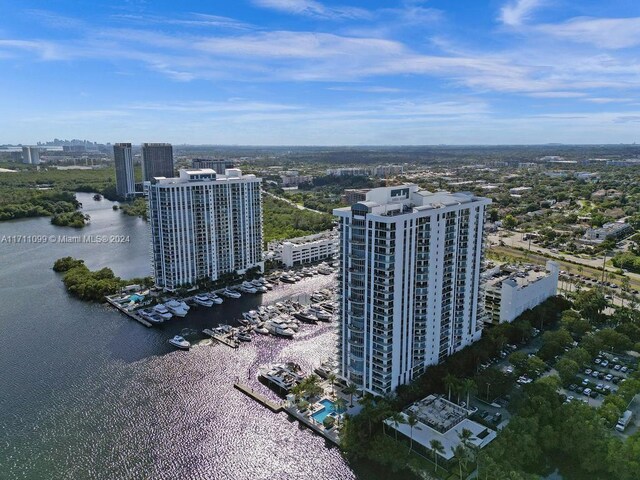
(299, 207)
(541, 258)
(515, 240)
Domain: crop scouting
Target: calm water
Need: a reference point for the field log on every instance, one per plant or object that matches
(87, 393)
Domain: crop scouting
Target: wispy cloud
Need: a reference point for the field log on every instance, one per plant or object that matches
(313, 8)
(607, 33)
(516, 12)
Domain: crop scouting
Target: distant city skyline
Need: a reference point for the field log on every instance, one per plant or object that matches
(313, 72)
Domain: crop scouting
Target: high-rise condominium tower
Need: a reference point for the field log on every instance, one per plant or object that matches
(409, 272)
(204, 225)
(125, 184)
(157, 160)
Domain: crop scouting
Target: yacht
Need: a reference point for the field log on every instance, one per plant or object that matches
(261, 289)
(324, 269)
(252, 316)
(325, 369)
(243, 337)
(287, 278)
(257, 282)
(318, 297)
(179, 342)
(306, 316)
(320, 313)
(224, 327)
(214, 298)
(203, 300)
(177, 308)
(268, 286)
(231, 293)
(281, 330)
(163, 311)
(262, 331)
(285, 376)
(247, 287)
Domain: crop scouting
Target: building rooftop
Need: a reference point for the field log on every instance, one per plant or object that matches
(408, 198)
(442, 420)
(190, 175)
(518, 276)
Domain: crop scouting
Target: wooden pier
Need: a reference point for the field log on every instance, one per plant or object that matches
(261, 399)
(226, 340)
(129, 314)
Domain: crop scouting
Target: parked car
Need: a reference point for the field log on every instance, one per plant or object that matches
(623, 369)
(593, 394)
(587, 391)
(588, 371)
(585, 382)
(597, 360)
(604, 363)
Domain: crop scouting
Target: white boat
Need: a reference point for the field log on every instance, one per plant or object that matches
(243, 337)
(320, 313)
(324, 269)
(163, 311)
(280, 330)
(244, 289)
(262, 331)
(287, 278)
(257, 282)
(180, 342)
(149, 315)
(214, 298)
(268, 286)
(203, 300)
(177, 308)
(231, 293)
(284, 376)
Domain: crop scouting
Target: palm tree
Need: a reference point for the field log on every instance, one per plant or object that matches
(460, 452)
(412, 420)
(468, 387)
(332, 378)
(465, 437)
(341, 406)
(449, 382)
(350, 389)
(438, 449)
(396, 419)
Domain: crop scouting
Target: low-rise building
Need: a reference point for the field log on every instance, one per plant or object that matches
(510, 290)
(292, 178)
(354, 195)
(301, 250)
(388, 170)
(441, 420)
(219, 165)
(349, 171)
(587, 176)
(614, 230)
(519, 190)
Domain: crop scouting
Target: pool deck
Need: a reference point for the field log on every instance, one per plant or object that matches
(331, 435)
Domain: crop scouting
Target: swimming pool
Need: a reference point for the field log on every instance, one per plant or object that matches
(329, 408)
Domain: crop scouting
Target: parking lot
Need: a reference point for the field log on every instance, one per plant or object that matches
(601, 378)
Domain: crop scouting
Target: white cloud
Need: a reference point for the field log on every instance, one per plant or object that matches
(313, 8)
(607, 33)
(517, 12)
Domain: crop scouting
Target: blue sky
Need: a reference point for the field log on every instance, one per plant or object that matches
(313, 72)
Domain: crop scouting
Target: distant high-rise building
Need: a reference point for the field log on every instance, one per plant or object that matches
(125, 183)
(157, 161)
(31, 155)
(204, 225)
(409, 280)
(219, 165)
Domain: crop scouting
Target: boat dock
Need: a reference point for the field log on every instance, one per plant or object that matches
(261, 399)
(129, 314)
(226, 340)
(313, 425)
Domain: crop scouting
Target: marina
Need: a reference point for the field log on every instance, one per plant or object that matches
(140, 406)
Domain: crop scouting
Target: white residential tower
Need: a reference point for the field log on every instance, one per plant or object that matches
(409, 276)
(204, 225)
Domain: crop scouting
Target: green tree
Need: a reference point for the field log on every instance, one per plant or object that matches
(437, 449)
(567, 370)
